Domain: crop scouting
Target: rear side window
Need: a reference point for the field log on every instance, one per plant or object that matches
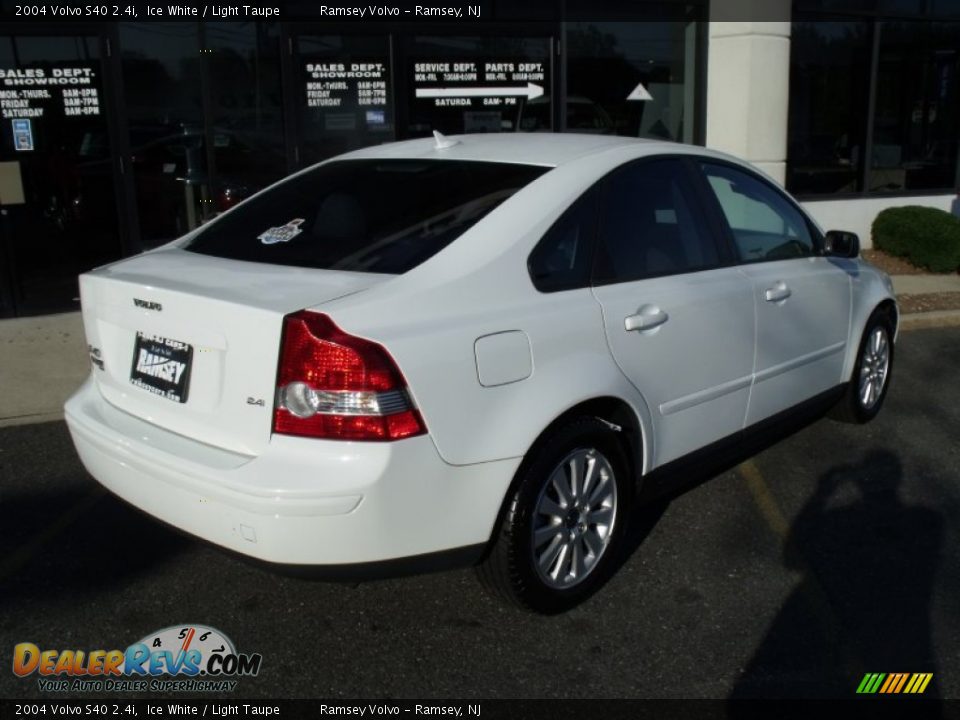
(563, 258)
(651, 225)
(382, 216)
(765, 225)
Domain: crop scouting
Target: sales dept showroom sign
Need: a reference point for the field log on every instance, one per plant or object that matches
(35, 92)
(348, 96)
(180, 658)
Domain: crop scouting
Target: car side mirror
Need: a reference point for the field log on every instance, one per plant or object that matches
(839, 243)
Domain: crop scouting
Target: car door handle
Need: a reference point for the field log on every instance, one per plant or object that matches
(649, 317)
(778, 292)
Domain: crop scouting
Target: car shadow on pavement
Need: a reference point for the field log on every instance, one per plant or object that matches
(75, 542)
(868, 562)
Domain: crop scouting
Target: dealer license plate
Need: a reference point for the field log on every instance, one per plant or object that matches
(162, 366)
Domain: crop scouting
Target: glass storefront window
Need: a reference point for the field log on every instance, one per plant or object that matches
(917, 112)
(829, 87)
(913, 142)
(164, 105)
(247, 110)
(55, 145)
(633, 79)
(205, 117)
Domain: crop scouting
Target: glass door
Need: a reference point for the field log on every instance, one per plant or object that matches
(204, 106)
(59, 211)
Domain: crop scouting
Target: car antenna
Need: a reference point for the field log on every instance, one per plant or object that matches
(443, 142)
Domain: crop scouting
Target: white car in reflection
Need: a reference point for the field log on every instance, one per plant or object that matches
(469, 349)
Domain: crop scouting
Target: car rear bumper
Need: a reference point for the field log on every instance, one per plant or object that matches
(300, 502)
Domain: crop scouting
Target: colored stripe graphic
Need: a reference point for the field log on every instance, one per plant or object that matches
(894, 683)
(903, 680)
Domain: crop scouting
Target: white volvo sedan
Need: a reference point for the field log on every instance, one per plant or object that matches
(468, 349)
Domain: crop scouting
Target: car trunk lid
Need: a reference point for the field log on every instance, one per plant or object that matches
(190, 342)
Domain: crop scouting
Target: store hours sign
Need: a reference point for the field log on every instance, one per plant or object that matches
(348, 94)
(484, 95)
(37, 92)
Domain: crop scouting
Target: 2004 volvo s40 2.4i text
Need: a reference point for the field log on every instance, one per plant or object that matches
(468, 349)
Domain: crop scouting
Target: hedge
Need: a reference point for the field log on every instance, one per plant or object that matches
(927, 237)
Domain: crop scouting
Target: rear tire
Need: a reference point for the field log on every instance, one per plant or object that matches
(870, 379)
(563, 529)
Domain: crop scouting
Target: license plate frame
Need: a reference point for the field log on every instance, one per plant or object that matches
(162, 366)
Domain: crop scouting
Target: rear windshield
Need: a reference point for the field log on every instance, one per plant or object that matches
(382, 216)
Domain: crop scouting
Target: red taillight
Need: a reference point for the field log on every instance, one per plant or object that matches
(334, 385)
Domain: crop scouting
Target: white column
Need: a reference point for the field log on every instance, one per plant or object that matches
(748, 78)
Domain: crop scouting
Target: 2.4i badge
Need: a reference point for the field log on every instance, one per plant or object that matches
(281, 233)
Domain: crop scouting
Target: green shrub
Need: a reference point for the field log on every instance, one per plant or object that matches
(927, 237)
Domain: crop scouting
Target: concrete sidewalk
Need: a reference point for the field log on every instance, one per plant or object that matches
(44, 359)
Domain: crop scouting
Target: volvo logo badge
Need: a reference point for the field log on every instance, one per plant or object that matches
(147, 305)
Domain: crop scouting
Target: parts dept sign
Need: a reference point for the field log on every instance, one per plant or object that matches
(489, 95)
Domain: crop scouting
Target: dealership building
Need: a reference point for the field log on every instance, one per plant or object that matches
(120, 135)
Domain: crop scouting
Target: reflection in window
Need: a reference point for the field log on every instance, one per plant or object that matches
(164, 106)
(244, 70)
(633, 79)
(829, 83)
(918, 107)
(764, 224)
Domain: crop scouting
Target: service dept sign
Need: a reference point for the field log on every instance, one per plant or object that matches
(489, 95)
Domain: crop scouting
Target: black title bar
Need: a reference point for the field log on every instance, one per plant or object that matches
(216, 709)
(415, 11)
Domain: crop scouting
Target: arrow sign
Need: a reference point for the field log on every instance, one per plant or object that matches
(531, 91)
(640, 93)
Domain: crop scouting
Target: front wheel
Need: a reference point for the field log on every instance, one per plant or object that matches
(871, 374)
(563, 529)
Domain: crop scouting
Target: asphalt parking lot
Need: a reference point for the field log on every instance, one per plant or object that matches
(830, 554)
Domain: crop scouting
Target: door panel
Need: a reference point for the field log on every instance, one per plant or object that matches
(800, 338)
(679, 326)
(802, 299)
(693, 369)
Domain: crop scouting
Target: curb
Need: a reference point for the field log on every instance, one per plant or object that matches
(927, 320)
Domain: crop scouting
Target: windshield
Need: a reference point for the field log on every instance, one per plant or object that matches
(383, 216)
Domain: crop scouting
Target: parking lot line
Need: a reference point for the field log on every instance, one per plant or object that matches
(817, 598)
(764, 499)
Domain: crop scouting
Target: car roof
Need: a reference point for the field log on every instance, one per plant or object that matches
(547, 148)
